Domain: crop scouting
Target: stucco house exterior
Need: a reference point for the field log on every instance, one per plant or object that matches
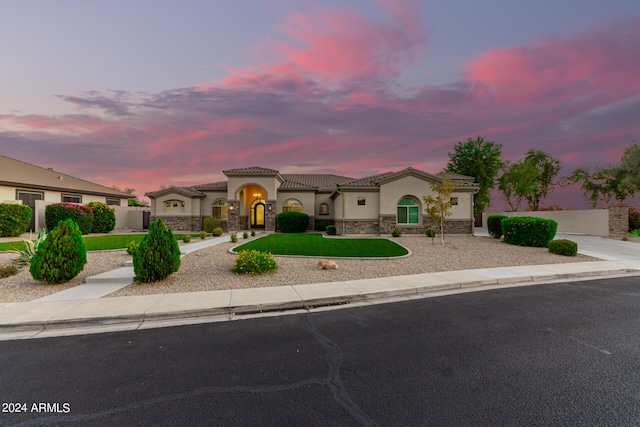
(34, 186)
(252, 197)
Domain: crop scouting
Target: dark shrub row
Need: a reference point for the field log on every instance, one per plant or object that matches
(528, 231)
(14, 219)
(563, 247)
(494, 225)
(82, 215)
(293, 222)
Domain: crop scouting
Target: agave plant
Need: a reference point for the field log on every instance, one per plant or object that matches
(30, 248)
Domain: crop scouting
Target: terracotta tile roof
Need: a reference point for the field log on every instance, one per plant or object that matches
(326, 182)
(212, 186)
(16, 173)
(250, 170)
(185, 191)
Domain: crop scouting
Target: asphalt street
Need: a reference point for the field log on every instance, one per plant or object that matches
(556, 354)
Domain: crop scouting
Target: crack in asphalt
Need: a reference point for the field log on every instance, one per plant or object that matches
(333, 379)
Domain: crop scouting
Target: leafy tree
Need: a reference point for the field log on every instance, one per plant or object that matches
(530, 179)
(133, 201)
(480, 159)
(629, 170)
(439, 207)
(602, 184)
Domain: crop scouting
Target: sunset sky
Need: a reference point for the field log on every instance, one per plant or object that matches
(142, 93)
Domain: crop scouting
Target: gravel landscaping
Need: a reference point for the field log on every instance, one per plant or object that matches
(209, 269)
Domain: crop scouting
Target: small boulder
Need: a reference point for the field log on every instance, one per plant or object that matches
(327, 265)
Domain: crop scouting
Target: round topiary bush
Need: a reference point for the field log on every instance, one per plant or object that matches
(254, 262)
(528, 231)
(82, 215)
(430, 232)
(396, 233)
(216, 232)
(293, 222)
(209, 224)
(321, 225)
(61, 256)
(331, 230)
(14, 219)
(563, 247)
(104, 217)
(157, 256)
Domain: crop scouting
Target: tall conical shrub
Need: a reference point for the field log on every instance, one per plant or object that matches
(61, 256)
(158, 255)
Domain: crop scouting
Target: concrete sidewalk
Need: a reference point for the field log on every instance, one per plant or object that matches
(59, 316)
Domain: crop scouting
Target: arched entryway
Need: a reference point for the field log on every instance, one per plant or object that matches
(257, 213)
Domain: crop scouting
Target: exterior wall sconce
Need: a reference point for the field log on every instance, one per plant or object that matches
(269, 206)
(231, 207)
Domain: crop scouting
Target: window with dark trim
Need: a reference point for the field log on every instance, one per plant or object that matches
(453, 201)
(219, 209)
(362, 201)
(292, 205)
(71, 198)
(113, 202)
(324, 209)
(408, 211)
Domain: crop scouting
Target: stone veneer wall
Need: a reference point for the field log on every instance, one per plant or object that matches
(361, 227)
(388, 224)
(618, 221)
(232, 217)
(183, 223)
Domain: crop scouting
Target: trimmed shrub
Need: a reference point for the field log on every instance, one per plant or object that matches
(14, 219)
(321, 225)
(131, 247)
(186, 238)
(211, 223)
(234, 237)
(331, 230)
(82, 215)
(254, 262)
(494, 225)
(8, 271)
(563, 247)
(216, 232)
(30, 248)
(158, 255)
(293, 222)
(528, 231)
(245, 235)
(396, 233)
(253, 233)
(104, 217)
(430, 232)
(634, 219)
(61, 256)
(203, 235)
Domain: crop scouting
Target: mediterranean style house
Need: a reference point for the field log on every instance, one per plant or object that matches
(252, 197)
(32, 185)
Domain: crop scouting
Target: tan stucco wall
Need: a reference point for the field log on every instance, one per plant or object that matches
(593, 221)
(9, 193)
(191, 206)
(206, 203)
(464, 209)
(353, 211)
(305, 197)
(318, 200)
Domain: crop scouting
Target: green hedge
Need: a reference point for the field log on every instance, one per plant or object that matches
(293, 222)
(82, 215)
(528, 231)
(210, 223)
(563, 247)
(14, 219)
(104, 217)
(331, 230)
(321, 225)
(494, 225)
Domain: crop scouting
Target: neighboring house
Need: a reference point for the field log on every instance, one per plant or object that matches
(252, 197)
(31, 184)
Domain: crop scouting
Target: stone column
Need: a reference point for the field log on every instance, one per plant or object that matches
(270, 216)
(233, 216)
(618, 221)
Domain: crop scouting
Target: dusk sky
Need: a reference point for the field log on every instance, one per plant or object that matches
(141, 94)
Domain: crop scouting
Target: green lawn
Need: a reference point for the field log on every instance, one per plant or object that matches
(99, 243)
(316, 245)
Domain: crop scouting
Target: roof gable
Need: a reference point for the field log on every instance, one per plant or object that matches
(17, 173)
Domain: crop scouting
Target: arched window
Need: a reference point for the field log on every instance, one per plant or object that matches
(219, 209)
(408, 211)
(324, 209)
(292, 205)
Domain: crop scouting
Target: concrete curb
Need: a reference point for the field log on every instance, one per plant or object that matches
(32, 318)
